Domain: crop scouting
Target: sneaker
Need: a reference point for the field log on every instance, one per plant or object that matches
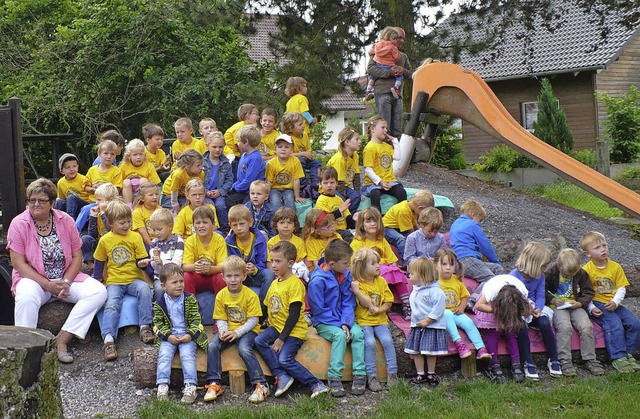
(335, 385)
(359, 385)
(632, 361)
(318, 389)
(418, 379)
(622, 365)
(368, 95)
(146, 334)
(396, 92)
(471, 303)
(594, 367)
(568, 370)
(110, 352)
(189, 394)
(463, 351)
(392, 379)
(283, 382)
(260, 393)
(494, 372)
(433, 380)
(554, 368)
(516, 372)
(307, 318)
(483, 354)
(163, 392)
(213, 391)
(406, 311)
(531, 372)
(373, 383)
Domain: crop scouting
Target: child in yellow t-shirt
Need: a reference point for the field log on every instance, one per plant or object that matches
(279, 343)
(145, 204)
(195, 193)
(134, 168)
(293, 125)
(71, 194)
(184, 140)
(347, 164)
(154, 137)
(247, 115)
(268, 122)
(189, 166)
(283, 173)
(331, 202)
(98, 225)
(297, 90)
(319, 229)
(119, 251)
(105, 172)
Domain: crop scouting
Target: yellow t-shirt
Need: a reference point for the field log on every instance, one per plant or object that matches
(316, 246)
(329, 203)
(74, 186)
(299, 103)
(379, 293)
(382, 246)
(141, 217)
(177, 180)
(179, 147)
(401, 217)
(301, 144)
(455, 290)
(157, 159)
(194, 250)
(113, 175)
(607, 280)
(281, 294)
(268, 145)
(236, 309)
(295, 240)
(281, 176)
(347, 167)
(145, 170)
(183, 224)
(121, 254)
(380, 158)
(102, 229)
(231, 139)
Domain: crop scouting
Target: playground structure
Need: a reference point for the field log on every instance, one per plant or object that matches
(448, 89)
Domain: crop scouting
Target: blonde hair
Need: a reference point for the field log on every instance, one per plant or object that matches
(135, 144)
(162, 216)
(389, 34)
(215, 135)
(107, 145)
(188, 158)
(240, 212)
(294, 86)
(446, 253)
(473, 208)
(233, 264)
(367, 214)
(145, 187)
(345, 135)
(424, 270)
(590, 239)
(310, 228)
(288, 121)
(203, 120)
(261, 184)
(568, 262)
(244, 110)
(249, 134)
(106, 191)
(430, 217)
(533, 258)
(422, 198)
(193, 184)
(117, 210)
(371, 124)
(183, 122)
(361, 259)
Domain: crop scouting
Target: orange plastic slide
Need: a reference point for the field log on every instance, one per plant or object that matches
(459, 92)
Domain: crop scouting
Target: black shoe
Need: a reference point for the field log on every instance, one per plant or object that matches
(433, 380)
(494, 372)
(516, 372)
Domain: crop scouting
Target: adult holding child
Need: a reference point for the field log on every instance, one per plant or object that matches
(46, 255)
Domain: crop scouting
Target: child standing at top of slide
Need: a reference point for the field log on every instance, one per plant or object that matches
(385, 55)
(377, 159)
(296, 89)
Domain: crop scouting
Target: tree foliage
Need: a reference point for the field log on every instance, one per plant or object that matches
(551, 125)
(623, 125)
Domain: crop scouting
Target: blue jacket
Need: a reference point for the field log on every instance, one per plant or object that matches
(250, 167)
(225, 175)
(535, 286)
(258, 255)
(331, 303)
(262, 220)
(468, 239)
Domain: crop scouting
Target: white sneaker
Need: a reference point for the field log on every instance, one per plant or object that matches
(163, 392)
(189, 394)
(260, 393)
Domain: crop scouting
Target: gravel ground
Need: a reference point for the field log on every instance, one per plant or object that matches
(94, 388)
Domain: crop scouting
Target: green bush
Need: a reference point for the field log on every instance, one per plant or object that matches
(502, 159)
(623, 125)
(586, 157)
(448, 152)
(319, 134)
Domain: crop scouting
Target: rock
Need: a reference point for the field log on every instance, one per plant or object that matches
(509, 249)
(53, 315)
(145, 360)
(633, 275)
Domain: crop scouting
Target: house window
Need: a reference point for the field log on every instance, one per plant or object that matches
(529, 114)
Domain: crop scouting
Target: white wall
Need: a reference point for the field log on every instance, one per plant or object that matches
(335, 124)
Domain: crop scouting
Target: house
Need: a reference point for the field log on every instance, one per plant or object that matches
(574, 57)
(340, 107)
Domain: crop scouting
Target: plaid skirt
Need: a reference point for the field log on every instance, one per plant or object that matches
(427, 341)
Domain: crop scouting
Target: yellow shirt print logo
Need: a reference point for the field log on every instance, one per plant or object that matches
(386, 161)
(120, 255)
(283, 178)
(348, 177)
(604, 286)
(451, 299)
(235, 314)
(375, 299)
(275, 304)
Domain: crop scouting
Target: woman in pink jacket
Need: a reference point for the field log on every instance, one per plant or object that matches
(46, 255)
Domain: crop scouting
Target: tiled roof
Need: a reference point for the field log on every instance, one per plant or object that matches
(345, 101)
(575, 46)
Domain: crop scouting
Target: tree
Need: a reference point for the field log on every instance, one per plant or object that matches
(551, 125)
(623, 125)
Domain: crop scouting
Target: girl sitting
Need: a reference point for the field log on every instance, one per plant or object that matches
(188, 166)
(144, 205)
(195, 194)
(285, 223)
(347, 164)
(319, 229)
(136, 168)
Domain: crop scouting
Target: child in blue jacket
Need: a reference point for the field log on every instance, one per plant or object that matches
(251, 166)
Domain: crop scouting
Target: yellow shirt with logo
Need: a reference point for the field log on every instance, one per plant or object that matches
(316, 246)
(281, 294)
(299, 103)
(112, 175)
(121, 254)
(378, 156)
(295, 240)
(157, 159)
(607, 280)
(194, 250)
(268, 145)
(141, 217)
(230, 137)
(379, 293)
(401, 217)
(237, 309)
(145, 170)
(347, 167)
(281, 176)
(455, 290)
(74, 186)
(301, 144)
(183, 224)
(382, 246)
(330, 203)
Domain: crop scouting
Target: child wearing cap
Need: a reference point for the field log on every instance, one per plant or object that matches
(283, 174)
(71, 194)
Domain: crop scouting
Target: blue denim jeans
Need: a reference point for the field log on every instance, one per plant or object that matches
(621, 330)
(285, 361)
(260, 283)
(245, 350)
(354, 196)
(383, 334)
(112, 307)
(89, 244)
(221, 211)
(310, 166)
(397, 239)
(187, 359)
(543, 324)
(390, 109)
(465, 323)
(282, 198)
(338, 339)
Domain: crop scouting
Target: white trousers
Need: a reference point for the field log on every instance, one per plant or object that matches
(87, 296)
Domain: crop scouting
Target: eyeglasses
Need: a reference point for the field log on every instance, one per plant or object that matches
(328, 228)
(37, 201)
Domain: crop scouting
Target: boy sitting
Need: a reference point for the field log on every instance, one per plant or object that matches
(247, 115)
(105, 172)
(184, 140)
(251, 166)
(120, 250)
(283, 173)
(330, 202)
(261, 210)
(178, 325)
(621, 327)
(268, 122)
(426, 241)
(279, 343)
(154, 137)
(333, 306)
(236, 313)
(71, 194)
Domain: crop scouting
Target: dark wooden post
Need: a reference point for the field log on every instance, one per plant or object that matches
(12, 189)
(602, 158)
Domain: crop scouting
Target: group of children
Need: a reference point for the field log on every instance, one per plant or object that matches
(225, 221)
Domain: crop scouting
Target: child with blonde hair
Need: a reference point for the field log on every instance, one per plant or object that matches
(194, 191)
(374, 301)
(134, 168)
(98, 224)
(449, 272)
(184, 140)
(144, 205)
(297, 90)
(319, 229)
(293, 125)
(427, 240)
(385, 55)
(260, 207)
(268, 123)
(428, 335)
(105, 171)
(218, 176)
(188, 166)
(286, 224)
(331, 202)
(247, 115)
(347, 164)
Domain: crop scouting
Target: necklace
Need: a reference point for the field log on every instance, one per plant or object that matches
(45, 227)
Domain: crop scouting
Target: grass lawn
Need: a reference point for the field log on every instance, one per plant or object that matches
(611, 396)
(574, 196)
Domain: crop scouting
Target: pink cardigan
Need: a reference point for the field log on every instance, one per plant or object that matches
(22, 238)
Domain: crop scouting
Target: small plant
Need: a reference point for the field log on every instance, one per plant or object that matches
(448, 152)
(586, 157)
(623, 124)
(502, 159)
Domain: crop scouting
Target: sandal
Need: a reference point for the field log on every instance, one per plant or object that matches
(418, 379)
(65, 357)
(146, 334)
(110, 352)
